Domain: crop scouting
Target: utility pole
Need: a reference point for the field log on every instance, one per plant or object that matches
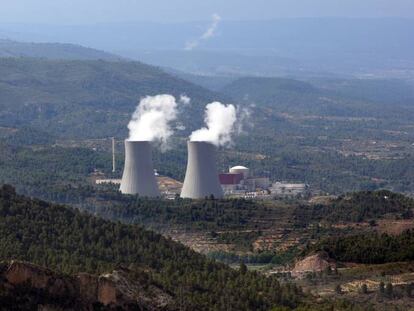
(113, 155)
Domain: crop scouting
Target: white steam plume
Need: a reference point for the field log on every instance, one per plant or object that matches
(152, 119)
(185, 99)
(209, 33)
(220, 123)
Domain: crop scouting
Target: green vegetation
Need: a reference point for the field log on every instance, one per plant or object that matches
(370, 248)
(48, 172)
(9, 48)
(87, 99)
(69, 241)
(325, 97)
(243, 240)
(357, 207)
(283, 258)
(270, 91)
(301, 131)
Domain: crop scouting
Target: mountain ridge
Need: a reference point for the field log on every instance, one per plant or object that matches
(11, 48)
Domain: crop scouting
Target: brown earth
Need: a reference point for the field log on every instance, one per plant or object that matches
(120, 289)
(313, 263)
(394, 227)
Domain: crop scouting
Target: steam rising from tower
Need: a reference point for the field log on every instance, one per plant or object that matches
(201, 177)
(151, 122)
(152, 119)
(138, 177)
(220, 120)
(209, 33)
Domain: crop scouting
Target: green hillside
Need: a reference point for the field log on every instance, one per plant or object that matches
(373, 248)
(336, 138)
(9, 48)
(95, 98)
(383, 91)
(70, 241)
(327, 97)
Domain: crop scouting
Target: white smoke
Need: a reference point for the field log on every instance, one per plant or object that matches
(185, 99)
(153, 117)
(209, 33)
(220, 123)
(243, 116)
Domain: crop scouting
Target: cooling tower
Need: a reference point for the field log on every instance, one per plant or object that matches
(138, 177)
(201, 178)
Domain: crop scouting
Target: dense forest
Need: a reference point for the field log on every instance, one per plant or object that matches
(38, 170)
(370, 248)
(357, 207)
(70, 241)
(85, 98)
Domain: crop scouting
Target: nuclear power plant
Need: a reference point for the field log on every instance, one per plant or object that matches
(138, 177)
(201, 178)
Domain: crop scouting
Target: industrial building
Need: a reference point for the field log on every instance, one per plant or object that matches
(138, 177)
(201, 177)
(284, 189)
(201, 180)
(239, 182)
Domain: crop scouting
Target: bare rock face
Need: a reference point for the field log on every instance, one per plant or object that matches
(19, 273)
(313, 263)
(123, 289)
(107, 291)
(88, 286)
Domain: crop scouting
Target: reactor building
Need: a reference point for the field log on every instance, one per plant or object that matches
(138, 177)
(201, 178)
(239, 180)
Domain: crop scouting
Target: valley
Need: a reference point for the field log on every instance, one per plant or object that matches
(350, 140)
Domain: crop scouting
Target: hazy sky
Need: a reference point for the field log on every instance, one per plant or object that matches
(95, 11)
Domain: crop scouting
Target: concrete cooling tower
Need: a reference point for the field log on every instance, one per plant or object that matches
(201, 178)
(138, 177)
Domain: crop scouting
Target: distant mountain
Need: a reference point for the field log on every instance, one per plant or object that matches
(379, 46)
(329, 97)
(218, 63)
(257, 88)
(9, 48)
(211, 82)
(87, 98)
(279, 93)
(382, 91)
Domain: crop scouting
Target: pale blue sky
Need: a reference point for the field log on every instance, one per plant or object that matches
(98, 11)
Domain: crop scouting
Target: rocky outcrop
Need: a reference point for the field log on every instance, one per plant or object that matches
(313, 263)
(122, 289)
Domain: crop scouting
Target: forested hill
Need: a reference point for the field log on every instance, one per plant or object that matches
(380, 98)
(69, 241)
(86, 99)
(9, 48)
(266, 87)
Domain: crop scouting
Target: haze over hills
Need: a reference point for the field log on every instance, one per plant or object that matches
(376, 46)
(9, 48)
(329, 97)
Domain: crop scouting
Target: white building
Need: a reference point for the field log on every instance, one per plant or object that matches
(288, 189)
